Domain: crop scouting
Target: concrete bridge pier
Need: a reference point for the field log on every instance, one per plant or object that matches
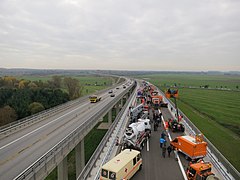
(117, 108)
(121, 102)
(80, 157)
(63, 170)
(110, 117)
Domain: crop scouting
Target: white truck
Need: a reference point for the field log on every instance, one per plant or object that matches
(136, 134)
(135, 113)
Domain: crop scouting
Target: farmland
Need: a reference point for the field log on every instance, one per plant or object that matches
(195, 80)
(90, 83)
(215, 112)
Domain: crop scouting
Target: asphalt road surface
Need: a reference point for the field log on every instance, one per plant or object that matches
(156, 167)
(21, 149)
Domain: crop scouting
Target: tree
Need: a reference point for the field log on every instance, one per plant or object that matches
(32, 85)
(7, 115)
(1, 82)
(5, 94)
(23, 83)
(73, 87)
(9, 81)
(55, 82)
(237, 87)
(20, 101)
(35, 107)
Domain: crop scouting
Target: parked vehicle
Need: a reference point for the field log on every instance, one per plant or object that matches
(200, 171)
(122, 166)
(175, 126)
(135, 113)
(193, 148)
(136, 135)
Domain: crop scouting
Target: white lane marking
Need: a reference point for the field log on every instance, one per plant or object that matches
(147, 144)
(39, 128)
(175, 152)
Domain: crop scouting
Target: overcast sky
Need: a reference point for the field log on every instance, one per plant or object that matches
(120, 34)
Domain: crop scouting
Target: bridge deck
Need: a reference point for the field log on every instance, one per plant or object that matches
(156, 167)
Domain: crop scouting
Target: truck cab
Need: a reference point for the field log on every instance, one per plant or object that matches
(200, 171)
(94, 98)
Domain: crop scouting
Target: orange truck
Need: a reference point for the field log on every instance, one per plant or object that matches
(200, 170)
(192, 147)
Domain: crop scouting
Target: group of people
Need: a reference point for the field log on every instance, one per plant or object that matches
(157, 120)
(163, 145)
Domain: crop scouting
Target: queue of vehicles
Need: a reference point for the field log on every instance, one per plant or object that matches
(129, 161)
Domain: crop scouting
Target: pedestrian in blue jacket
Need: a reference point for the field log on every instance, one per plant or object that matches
(162, 141)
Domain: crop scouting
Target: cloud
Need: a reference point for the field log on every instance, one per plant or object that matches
(120, 34)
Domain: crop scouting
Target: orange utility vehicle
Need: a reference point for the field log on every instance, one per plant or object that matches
(172, 93)
(200, 170)
(193, 148)
(157, 100)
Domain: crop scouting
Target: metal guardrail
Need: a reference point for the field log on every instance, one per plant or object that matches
(43, 114)
(88, 167)
(228, 171)
(81, 130)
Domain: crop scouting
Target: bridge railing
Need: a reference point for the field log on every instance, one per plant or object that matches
(88, 167)
(59, 149)
(221, 163)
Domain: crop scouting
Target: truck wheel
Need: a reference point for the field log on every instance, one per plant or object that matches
(140, 167)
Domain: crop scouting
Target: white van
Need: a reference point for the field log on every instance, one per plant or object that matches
(123, 166)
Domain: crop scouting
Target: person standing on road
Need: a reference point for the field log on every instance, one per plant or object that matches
(163, 135)
(164, 151)
(169, 149)
(162, 141)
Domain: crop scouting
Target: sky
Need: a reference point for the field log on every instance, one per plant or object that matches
(195, 35)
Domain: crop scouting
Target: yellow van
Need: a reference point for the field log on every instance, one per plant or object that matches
(123, 166)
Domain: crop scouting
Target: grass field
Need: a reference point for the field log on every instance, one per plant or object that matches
(215, 112)
(196, 80)
(90, 83)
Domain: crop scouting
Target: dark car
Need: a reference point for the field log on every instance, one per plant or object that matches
(112, 95)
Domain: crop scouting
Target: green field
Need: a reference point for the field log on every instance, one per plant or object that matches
(215, 112)
(195, 80)
(90, 83)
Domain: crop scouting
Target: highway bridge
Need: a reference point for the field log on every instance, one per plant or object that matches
(32, 148)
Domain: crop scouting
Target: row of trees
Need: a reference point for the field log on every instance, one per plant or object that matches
(21, 98)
